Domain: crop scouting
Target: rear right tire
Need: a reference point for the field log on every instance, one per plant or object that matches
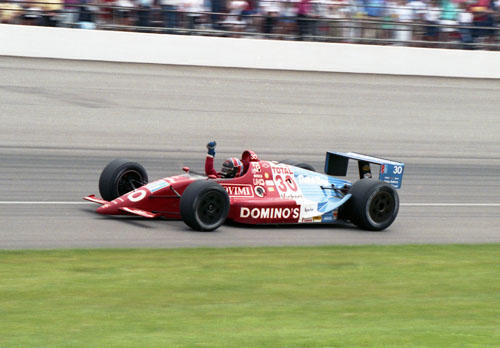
(299, 164)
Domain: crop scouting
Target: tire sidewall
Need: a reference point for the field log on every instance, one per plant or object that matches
(378, 226)
(192, 198)
(111, 174)
(358, 207)
(302, 165)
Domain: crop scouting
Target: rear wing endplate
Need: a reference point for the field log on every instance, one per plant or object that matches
(390, 171)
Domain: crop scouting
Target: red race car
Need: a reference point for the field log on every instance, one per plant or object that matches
(267, 192)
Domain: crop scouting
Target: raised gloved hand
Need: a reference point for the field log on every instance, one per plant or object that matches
(211, 148)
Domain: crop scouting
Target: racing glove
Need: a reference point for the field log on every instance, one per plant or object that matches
(211, 148)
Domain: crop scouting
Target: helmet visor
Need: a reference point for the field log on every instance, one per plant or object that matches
(227, 169)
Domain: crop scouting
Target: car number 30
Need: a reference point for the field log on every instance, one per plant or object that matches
(397, 170)
(285, 184)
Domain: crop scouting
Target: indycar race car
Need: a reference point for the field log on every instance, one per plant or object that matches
(268, 192)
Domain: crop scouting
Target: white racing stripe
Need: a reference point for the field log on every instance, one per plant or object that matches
(402, 204)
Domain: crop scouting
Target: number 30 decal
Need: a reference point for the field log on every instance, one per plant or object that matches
(397, 170)
(289, 183)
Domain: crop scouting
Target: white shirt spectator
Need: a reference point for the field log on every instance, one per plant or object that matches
(465, 17)
(403, 13)
(236, 7)
(289, 8)
(432, 14)
(419, 8)
(403, 33)
(169, 2)
(322, 8)
(124, 3)
(145, 3)
(194, 6)
(270, 7)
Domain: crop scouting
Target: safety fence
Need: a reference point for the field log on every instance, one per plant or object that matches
(329, 21)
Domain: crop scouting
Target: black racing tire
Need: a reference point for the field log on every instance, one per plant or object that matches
(299, 164)
(373, 206)
(204, 205)
(121, 176)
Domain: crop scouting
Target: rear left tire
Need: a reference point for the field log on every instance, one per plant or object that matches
(374, 205)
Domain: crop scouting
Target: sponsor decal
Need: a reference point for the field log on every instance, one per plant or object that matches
(239, 190)
(266, 175)
(367, 176)
(391, 180)
(271, 189)
(257, 181)
(312, 180)
(157, 185)
(282, 170)
(312, 219)
(270, 213)
(328, 217)
(136, 196)
(255, 168)
(260, 191)
(269, 183)
(265, 165)
(285, 183)
(258, 175)
(286, 195)
(383, 169)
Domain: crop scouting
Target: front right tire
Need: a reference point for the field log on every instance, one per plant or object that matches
(204, 205)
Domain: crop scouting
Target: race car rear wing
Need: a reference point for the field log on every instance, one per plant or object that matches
(390, 171)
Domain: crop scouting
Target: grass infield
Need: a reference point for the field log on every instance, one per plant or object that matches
(363, 296)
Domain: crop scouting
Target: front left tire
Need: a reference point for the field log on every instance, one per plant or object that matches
(120, 177)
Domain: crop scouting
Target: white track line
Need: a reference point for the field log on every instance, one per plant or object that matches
(402, 204)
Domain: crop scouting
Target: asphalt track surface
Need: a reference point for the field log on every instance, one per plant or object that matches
(63, 121)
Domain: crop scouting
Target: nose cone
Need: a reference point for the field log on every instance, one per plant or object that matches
(133, 199)
(109, 209)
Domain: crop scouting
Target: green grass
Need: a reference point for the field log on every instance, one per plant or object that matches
(368, 296)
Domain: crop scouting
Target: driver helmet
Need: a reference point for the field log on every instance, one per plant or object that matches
(232, 168)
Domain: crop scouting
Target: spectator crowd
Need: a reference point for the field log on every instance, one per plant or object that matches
(428, 23)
